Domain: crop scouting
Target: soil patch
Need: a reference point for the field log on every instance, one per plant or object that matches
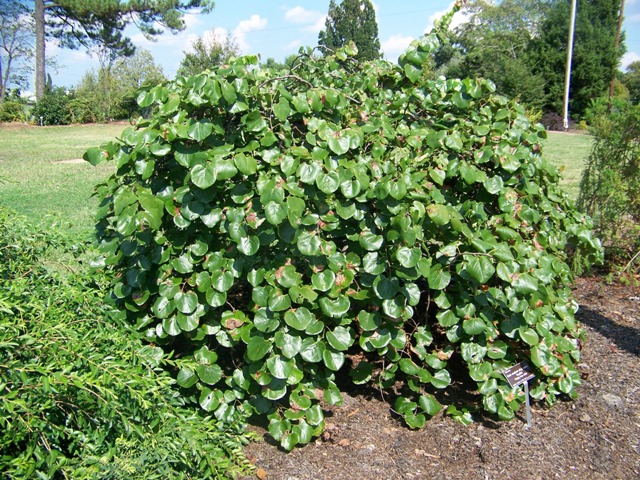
(596, 436)
(72, 160)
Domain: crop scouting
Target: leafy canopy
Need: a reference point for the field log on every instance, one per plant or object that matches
(282, 231)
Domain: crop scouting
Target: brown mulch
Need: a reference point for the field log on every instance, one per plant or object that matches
(596, 436)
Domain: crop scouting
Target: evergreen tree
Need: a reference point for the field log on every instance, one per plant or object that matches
(595, 58)
(87, 23)
(352, 20)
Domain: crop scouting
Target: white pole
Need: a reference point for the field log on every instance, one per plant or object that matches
(567, 75)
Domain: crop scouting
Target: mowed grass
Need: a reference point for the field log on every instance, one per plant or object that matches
(42, 179)
(569, 152)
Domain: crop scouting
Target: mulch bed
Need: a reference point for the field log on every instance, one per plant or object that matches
(596, 436)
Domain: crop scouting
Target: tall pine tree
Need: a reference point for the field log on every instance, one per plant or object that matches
(352, 20)
(87, 23)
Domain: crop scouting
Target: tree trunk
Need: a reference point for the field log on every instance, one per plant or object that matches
(2, 84)
(40, 50)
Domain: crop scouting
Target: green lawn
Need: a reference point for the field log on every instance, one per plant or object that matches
(569, 152)
(41, 178)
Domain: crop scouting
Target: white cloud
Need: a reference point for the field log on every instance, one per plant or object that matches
(180, 40)
(191, 20)
(309, 20)
(628, 58)
(293, 46)
(395, 45)
(301, 15)
(635, 18)
(254, 23)
(216, 36)
(458, 19)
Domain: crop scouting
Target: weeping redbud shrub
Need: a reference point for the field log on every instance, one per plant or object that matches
(280, 232)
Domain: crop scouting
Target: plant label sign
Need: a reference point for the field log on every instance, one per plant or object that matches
(518, 374)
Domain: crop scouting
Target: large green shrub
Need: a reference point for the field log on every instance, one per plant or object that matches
(53, 108)
(610, 185)
(80, 396)
(281, 231)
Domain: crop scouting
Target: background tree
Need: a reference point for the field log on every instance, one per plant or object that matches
(86, 23)
(495, 44)
(631, 80)
(595, 58)
(272, 64)
(207, 52)
(352, 20)
(110, 92)
(16, 45)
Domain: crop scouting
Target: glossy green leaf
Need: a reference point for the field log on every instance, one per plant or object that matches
(209, 374)
(335, 307)
(479, 267)
(299, 318)
(257, 348)
(340, 338)
(203, 176)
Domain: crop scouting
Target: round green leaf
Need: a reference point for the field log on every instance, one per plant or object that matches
(186, 377)
(200, 129)
(222, 280)
(257, 348)
(208, 400)
(312, 350)
(209, 374)
(429, 404)
(335, 307)
(299, 318)
(203, 176)
(249, 246)
(323, 280)
(333, 360)
(279, 367)
(186, 302)
(439, 214)
(328, 182)
(308, 244)
(245, 164)
(371, 242)
(479, 267)
(408, 257)
(275, 213)
(438, 278)
(340, 339)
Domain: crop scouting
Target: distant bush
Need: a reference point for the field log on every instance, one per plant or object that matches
(53, 108)
(552, 121)
(13, 111)
(610, 185)
(80, 396)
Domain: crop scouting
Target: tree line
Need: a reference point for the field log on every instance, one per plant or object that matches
(519, 44)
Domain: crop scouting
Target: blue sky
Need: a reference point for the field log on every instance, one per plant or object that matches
(274, 28)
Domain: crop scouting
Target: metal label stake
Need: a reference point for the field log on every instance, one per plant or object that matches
(517, 375)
